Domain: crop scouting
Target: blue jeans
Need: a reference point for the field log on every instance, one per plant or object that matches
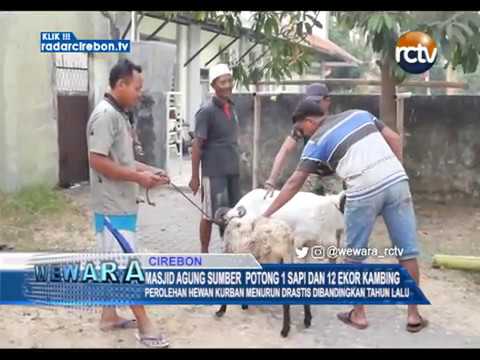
(396, 206)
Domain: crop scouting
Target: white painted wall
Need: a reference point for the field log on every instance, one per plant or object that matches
(28, 107)
(193, 91)
(323, 18)
(148, 25)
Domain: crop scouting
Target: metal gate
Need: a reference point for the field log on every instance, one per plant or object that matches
(72, 100)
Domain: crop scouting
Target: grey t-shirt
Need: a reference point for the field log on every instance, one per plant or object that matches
(109, 133)
(220, 152)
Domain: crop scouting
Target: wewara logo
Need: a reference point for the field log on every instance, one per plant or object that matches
(416, 52)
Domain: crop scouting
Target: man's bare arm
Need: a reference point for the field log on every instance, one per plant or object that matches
(108, 168)
(291, 187)
(196, 156)
(288, 147)
(393, 140)
(144, 167)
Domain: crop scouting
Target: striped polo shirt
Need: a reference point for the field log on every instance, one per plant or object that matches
(351, 145)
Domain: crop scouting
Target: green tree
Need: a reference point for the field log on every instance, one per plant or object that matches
(283, 33)
(356, 45)
(456, 34)
(472, 80)
(342, 36)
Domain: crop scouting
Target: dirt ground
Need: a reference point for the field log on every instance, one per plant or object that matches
(172, 227)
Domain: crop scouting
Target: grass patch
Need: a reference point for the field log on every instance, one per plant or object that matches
(23, 213)
(32, 201)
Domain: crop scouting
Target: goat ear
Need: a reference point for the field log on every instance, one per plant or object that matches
(222, 212)
(220, 215)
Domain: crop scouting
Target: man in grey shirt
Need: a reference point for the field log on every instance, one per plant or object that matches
(114, 180)
(216, 147)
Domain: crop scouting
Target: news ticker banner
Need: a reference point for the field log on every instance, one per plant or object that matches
(67, 42)
(84, 280)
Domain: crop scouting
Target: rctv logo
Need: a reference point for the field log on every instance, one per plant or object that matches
(416, 52)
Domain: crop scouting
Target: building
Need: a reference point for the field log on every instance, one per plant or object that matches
(46, 98)
(200, 46)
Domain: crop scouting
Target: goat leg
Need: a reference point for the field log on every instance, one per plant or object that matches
(221, 311)
(286, 321)
(308, 316)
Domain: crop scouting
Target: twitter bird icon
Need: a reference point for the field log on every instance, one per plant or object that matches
(301, 253)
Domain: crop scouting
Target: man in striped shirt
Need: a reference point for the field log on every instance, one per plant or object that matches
(366, 154)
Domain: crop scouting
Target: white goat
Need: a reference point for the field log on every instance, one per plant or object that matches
(268, 240)
(306, 220)
(314, 219)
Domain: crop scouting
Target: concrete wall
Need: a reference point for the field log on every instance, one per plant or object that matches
(442, 146)
(99, 66)
(244, 109)
(28, 124)
(274, 126)
(100, 63)
(157, 61)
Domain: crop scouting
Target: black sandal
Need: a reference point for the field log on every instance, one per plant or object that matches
(346, 317)
(415, 328)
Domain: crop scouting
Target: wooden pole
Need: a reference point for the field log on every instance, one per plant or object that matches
(400, 103)
(400, 119)
(400, 98)
(427, 79)
(257, 109)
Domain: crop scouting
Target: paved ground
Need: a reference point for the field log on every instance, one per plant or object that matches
(179, 170)
(164, 228)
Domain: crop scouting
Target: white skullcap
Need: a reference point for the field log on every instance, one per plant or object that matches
(218, 70)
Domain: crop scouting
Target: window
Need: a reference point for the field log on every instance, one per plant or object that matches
(204, 74)
(72, 72)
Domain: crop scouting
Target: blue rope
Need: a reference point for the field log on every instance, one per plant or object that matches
(118, 236)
